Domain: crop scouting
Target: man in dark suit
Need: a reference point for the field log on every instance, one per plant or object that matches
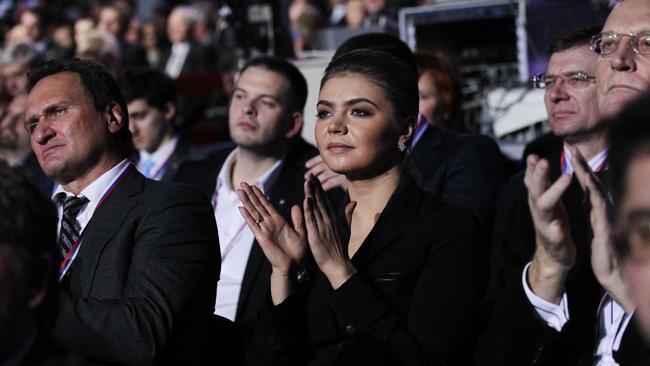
(265, 113)
(27, 274)
(556, 302)
(462, 169)
(140, 258)
(151, 98)
(184, 55)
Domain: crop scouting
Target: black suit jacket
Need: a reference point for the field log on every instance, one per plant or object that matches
(197, 59)
(411, 302)
(181, 153)
(142, 288)
(516, 335)
(44, 352)
(464, 170)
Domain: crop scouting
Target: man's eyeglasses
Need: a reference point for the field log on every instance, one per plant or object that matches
(607, 43)
(576, 80)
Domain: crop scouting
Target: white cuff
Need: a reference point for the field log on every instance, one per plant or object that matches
(554, 315)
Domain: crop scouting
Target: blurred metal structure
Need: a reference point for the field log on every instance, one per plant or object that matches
(499, 44)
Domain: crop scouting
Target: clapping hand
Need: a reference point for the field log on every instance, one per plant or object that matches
(323, 235)
(284, 246)
(604, 262)
(555, 251)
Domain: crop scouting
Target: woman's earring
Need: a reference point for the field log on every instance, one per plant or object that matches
(401, 146)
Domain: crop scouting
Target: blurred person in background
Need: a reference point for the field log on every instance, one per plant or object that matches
(16, 34)
(153, 42)
(101, 47)
(15, 146)
(82, 26)
(63, 36)
(380, 13)
(184, 55)
(629, 140)
(151, 101)
(36, 24)
(15, 62)
(440, 89)
(28, 275)
(336, 12)
(114, 19)
(354, 14)
(305, 21)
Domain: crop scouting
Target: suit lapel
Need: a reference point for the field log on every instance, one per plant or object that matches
(104, 224)
(180, 154)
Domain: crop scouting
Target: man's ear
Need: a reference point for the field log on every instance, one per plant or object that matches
(295, 125)
(169, 112)
(114, 116)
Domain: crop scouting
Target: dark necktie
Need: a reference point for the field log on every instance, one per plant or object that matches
(69, 225)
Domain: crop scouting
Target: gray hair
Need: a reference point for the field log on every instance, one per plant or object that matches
(20, 52)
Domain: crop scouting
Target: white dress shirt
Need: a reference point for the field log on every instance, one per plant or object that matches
(176, 59)
(159, 158)
(612, 319)
(235, 238)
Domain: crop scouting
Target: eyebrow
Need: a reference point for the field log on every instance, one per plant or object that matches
(49, 109)
(276, 98)
(348, 102)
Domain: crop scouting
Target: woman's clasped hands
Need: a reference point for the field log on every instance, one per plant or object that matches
(315, 225)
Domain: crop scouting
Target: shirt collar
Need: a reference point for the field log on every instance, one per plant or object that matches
(95, 190)
(595, 163)
(264, 182)
(162, 154)
(180, 47)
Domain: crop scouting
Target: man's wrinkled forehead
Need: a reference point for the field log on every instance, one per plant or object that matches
(631, 16)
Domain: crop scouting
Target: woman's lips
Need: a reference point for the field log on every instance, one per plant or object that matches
(338, 148)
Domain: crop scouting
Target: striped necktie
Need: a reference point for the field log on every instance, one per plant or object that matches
(69, 225)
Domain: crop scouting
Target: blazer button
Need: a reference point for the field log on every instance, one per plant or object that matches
(349, 329)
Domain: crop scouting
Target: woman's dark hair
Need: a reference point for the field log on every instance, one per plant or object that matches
(379, 42)
(398, 80)
(98, 84)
